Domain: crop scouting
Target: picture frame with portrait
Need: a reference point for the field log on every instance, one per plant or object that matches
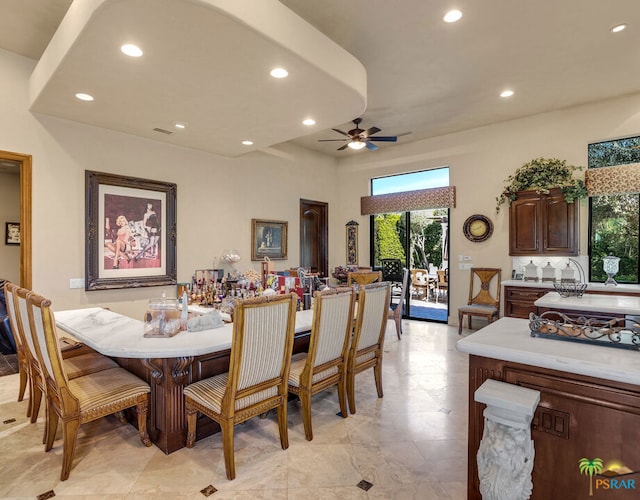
(268, 239)
(12, 233)
(130, 232)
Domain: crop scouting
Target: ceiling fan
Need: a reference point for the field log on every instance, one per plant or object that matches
(358, 138)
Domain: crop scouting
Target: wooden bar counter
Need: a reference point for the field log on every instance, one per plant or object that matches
(589, 408)
(167, 364)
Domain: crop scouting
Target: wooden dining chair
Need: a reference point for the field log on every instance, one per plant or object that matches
(396, 310)
(368, 337)
(261, 348)
(75, 366)
(442, 284)
(23, 361)
(484, 303)
(364, 277)
(83, 399)
(325, 364)
(420, 282)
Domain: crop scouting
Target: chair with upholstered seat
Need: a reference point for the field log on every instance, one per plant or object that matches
(75, 366)
(396, 310)
(325, 364)
(484, 303)
(84, 399)
(442, 284)
(260, 359)
(368, 337)
(364, 277)
(23, 362)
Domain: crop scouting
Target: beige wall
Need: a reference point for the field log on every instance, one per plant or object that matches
(479, 161)
(9, 212)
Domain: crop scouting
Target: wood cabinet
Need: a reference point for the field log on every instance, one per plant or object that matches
(578, 416)
(519, 300)
(543, 224)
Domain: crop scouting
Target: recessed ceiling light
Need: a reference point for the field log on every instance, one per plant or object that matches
(279, 73)
(452, 16)
(131, 50)
(506, 93)
(247, 143)
(180, 125)
(308, 122)
(84, 97)
(618, 28)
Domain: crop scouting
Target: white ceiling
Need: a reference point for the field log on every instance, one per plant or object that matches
(423, 76)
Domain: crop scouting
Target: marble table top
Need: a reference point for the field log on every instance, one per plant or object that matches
(616, 304)
(113, 334)
(509, 339)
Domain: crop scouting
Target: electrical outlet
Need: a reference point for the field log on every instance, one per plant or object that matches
(76, 283)
(464, 266)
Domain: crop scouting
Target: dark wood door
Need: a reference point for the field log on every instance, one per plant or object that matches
(314, 236)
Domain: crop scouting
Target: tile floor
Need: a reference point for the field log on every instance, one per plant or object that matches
(409, 444)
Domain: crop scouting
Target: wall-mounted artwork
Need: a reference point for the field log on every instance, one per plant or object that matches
(12, 233)
(352, 243)
(268, 239)
(130, 226)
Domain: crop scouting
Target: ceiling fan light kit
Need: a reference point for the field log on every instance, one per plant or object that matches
(358, 138)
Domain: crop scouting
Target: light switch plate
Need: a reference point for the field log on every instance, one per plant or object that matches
(76, 283)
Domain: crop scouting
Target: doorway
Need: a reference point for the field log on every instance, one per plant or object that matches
(419, 239)
(23, 163)
(314, 236)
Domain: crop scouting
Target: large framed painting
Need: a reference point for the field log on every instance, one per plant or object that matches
(268, 239)
(130, 232)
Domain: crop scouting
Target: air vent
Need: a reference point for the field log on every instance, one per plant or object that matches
(162, 131)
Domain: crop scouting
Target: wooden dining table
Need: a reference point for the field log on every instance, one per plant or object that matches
(167, 364)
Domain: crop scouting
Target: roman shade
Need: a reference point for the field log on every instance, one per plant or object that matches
(407, 201)
(617, 179)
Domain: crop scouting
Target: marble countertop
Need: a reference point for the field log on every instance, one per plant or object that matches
(113, 334)
(509, 339)
(615, 304)
(620, 288)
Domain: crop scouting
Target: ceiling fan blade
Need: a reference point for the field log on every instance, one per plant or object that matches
(372, 130)
(340, 132)
(343, 147)
(332, 140)
(391, 138)
(371, 146)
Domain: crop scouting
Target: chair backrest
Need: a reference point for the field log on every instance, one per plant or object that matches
(419, 276)
(442, 277)
(9, 294)
(391, 269)
(261, 349)
(371, 321)
(24, 328)
(364, 277)
(332, 324)
(484, 276)
(403, 291)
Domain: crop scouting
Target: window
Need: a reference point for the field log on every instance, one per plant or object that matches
(614, 218)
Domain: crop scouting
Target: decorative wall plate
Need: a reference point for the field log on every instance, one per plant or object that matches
(477, 228)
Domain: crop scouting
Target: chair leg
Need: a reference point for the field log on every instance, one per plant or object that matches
(192, 415)
(342, 397)
(398, 321)
(470, 316)
(351, 382)
(377, 374)
(69, 435)
(35, 400)
(305, 400)
(23, 383)
(460, 320)
(142, 409)
(226, 427)
(282, 423)
(51, 428)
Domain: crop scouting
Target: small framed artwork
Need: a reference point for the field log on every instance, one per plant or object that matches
(130, 232)
(352, 243)
(268, 239)
(12, 234)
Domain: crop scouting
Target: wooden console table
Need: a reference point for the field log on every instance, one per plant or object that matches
(167, 364)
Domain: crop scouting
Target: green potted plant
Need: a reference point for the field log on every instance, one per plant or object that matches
(542, 174)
